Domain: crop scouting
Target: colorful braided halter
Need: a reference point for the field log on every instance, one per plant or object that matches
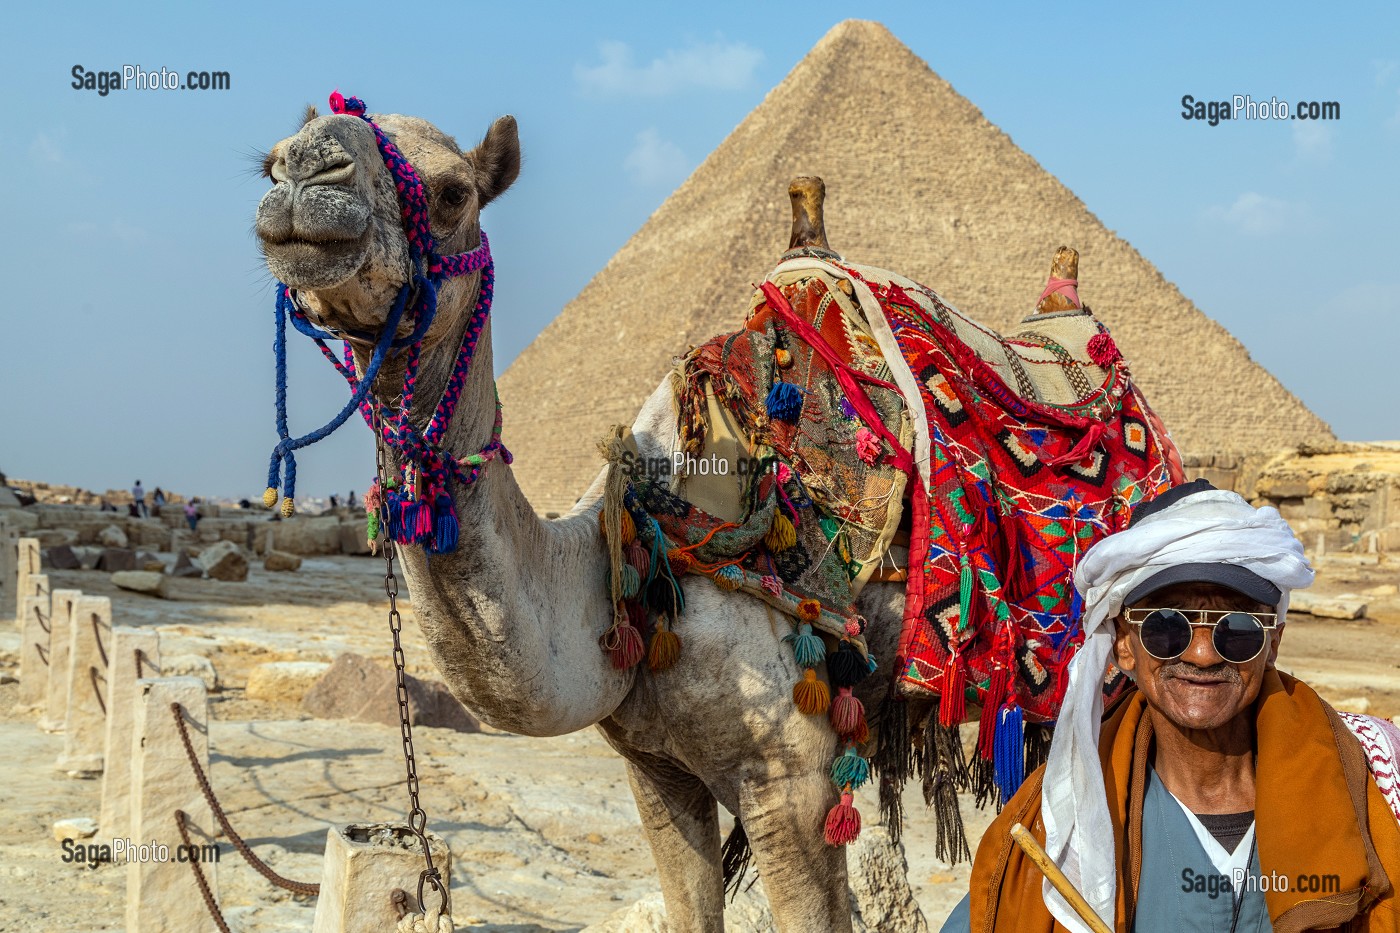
(421, 508)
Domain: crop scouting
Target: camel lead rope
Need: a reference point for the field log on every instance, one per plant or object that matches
(417, 817)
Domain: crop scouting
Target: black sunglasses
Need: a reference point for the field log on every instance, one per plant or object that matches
(1238, 636)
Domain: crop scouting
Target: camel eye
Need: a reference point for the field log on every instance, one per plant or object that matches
(454, 195)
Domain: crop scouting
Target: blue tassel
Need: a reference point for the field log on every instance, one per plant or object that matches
(408, 521)
(784, 402)
(807, 649)
(1009, 752)
(850, 769)
(445, 527)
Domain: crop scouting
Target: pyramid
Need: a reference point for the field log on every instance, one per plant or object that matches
(919, 182)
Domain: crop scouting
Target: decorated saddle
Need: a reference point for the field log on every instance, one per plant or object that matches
(855, 400)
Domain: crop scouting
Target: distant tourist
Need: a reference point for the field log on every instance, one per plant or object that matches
(352, 502)
(138, 499)
(335, 502)
(105, 506)
(192, 513)
(244, 503)
(157, 500)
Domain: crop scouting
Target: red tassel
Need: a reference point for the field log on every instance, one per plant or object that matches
(624, 646)
(847, 712)
(952, 705)
(842, 822)
(991, 706)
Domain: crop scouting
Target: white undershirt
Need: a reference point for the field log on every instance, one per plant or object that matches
(1227, 863)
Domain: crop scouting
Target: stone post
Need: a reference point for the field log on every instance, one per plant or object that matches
(60, 642)
(364, 863)
(85, 718)
(163, 896)
(34, 653)
(9, 574)
(134, 654)
(26, 564)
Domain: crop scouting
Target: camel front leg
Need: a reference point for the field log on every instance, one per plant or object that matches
(681, 821)
(804, 878)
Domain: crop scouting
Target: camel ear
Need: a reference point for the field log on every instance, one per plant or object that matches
(497, 159)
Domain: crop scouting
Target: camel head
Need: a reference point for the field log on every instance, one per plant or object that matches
(331, 228)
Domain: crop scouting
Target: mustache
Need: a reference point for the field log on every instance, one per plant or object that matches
(1221, 671)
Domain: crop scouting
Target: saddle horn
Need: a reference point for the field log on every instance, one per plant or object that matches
(1061, 292)
(808, 192)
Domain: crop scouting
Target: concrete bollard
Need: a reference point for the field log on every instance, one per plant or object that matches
(364, 863)
(60, 642)
(9, 575)
(85, 715)
(34, 653)
(134, 654)
(163, 896)
(26, 565)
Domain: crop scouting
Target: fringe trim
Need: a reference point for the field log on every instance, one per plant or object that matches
(735, 856)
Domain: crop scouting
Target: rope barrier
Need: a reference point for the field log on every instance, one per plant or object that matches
(94, 675)
(209, 902)
(43, 653)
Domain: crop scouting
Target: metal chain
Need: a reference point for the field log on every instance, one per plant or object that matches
(209, 902)
(249, 856)
(417, 818)
(95, 675)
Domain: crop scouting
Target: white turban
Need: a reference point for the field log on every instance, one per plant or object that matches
(1207, 526)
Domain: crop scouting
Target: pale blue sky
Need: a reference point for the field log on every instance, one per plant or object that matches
(138, 316)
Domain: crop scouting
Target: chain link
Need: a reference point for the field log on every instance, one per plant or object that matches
(209, 902)
(249, 856)
(431, 876)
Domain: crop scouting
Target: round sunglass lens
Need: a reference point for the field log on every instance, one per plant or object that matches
(1239, 637)
(1166, 633)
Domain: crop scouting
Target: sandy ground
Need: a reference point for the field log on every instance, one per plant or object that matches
(544, 832)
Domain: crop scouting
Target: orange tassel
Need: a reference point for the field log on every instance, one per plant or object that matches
(843, 822)
(811, 695)
(665, 650)
(809, 610)
(681, 562)
(629, 528)
(952, 703)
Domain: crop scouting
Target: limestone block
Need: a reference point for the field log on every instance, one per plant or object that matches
(225, 561)
(76, 827)
(1326, 607)
(150, 582)
(21, 520)
(116, 559)
(84, 723)
(363, 863)
(55, 537)
(148, 533)
(284, 681)
(162, 896)
(112, 536)
(354, 687)
(192, 665)
(60, 641)
(34, 653)
(135, 655)
(186, 567)
(61, 557)
(307, 536)
(281, 560)
(353, 537)
(10, 606)
(26, 562)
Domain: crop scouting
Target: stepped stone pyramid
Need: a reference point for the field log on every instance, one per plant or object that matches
(919, 182)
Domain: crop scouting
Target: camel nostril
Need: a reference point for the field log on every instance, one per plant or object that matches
(332, 175)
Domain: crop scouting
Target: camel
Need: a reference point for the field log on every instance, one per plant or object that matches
(513, 616)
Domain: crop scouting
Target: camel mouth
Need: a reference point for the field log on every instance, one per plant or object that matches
(303, 261)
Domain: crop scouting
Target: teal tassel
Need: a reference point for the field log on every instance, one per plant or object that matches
(850, 769)
(630, 581)
(965, 584)
(808, 649)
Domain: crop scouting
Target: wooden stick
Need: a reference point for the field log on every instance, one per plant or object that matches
(1057, 878)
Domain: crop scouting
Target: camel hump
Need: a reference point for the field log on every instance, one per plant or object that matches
(1062, 290)
(808, 193)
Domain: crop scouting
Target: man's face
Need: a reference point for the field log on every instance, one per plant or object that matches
(1199, 689)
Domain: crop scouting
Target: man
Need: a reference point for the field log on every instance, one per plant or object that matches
(138, 500)
(1220, 794)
